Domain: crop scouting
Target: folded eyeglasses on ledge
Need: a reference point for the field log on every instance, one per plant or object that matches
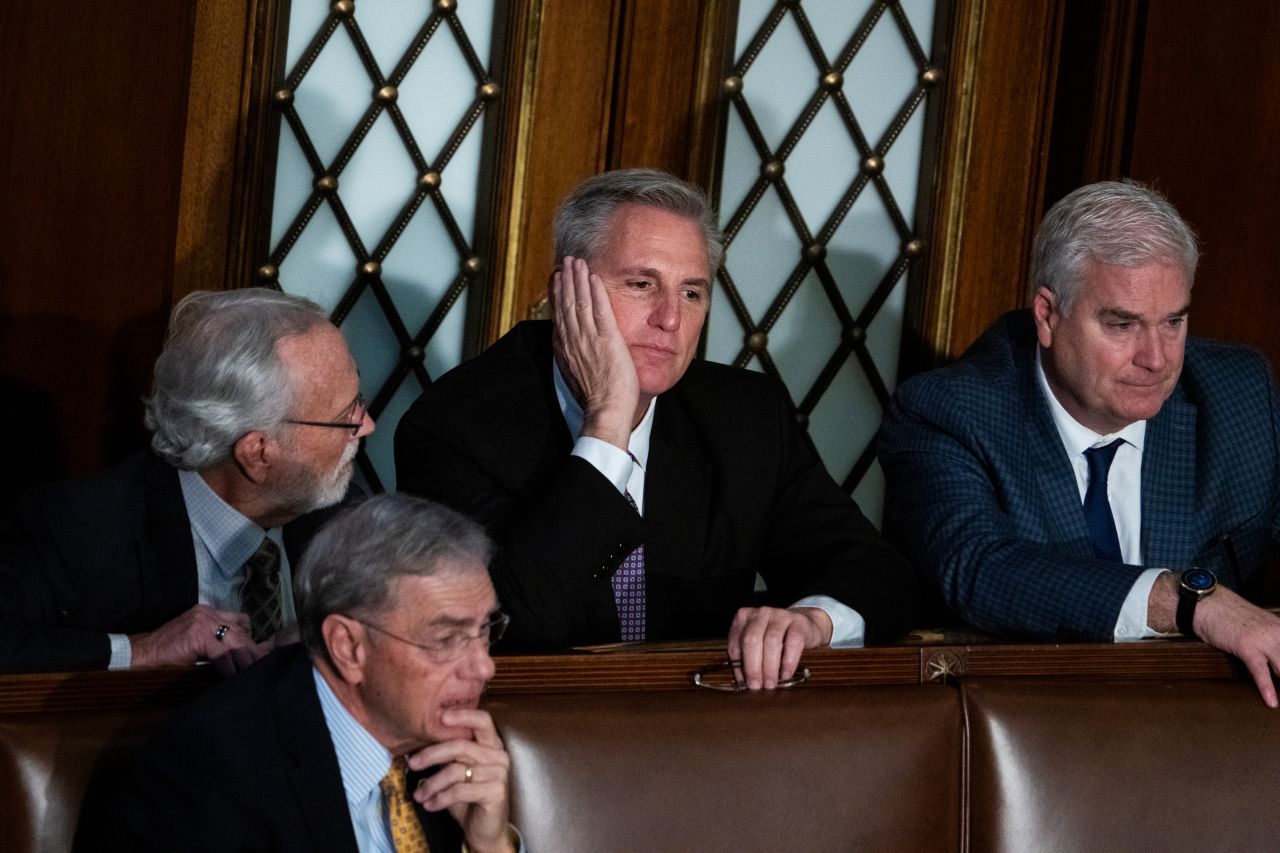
(727, 676)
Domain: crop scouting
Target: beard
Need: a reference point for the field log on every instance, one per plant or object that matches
(303, 489)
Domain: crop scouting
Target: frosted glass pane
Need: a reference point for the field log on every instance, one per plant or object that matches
(763, 254)
(834, 22)
(377, 182)
(880, 78)
(822, 167)
(780, 81)
(333, 96)
(805, 336)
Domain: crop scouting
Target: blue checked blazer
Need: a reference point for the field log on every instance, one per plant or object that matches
(981, 496)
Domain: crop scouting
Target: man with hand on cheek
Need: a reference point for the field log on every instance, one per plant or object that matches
(370, 737)
(636, 492)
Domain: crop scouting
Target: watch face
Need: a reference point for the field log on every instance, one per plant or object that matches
(1199, 580)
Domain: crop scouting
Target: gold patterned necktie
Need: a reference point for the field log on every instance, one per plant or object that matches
(407, 835)
(260, 591)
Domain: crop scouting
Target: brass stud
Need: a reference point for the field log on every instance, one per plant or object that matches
(757, 341)
(855, 334)
(815, 252)
(283, 97)
(930, 77)
(371, 268)
(268, 272)
(489, 91)
(732, 85)
(327, 183)
(431, 180)
(446, 6)
(802, 420)
(415, 353)
(472, 265)
(345, 8)
(774, 169)
(832, 81)
(387, 95)
(914, 247)
(873, 165)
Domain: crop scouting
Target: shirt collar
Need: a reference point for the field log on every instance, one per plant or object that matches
(637, 445)
(1076, 437)
(361, 759)
(230, 538)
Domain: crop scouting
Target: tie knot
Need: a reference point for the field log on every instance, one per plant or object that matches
(265, 559)
(1100, 458)
(394, 782)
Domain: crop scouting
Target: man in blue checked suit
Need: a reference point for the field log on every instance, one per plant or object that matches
(1086, 471)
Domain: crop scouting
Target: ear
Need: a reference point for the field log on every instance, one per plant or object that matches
(255, 453)
(1045, 308)
(348, 644)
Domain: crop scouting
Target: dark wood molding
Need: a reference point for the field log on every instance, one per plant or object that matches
(998, 106)
(660, 669)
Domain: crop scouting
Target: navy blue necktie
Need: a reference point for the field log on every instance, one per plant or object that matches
(1097, 509)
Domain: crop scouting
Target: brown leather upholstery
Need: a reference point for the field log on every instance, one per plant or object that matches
(1170, 766)
(46, 762)
(812, 769)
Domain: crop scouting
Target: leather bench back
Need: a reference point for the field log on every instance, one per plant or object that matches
(1169, 766)
(812, 769)
(47, 761)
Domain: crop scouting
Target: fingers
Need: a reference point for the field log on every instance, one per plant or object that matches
(769, 642)
(1260, 669)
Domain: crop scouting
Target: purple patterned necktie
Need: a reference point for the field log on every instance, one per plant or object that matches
(628, 590)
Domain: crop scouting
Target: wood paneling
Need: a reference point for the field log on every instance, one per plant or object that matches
(998, 101)
(94, 100)
(1207, 130)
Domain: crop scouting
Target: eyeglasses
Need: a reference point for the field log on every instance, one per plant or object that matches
(450, 647)
(355, 426)
(726, 676)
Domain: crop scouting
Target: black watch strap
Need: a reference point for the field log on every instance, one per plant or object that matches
(1193, 585)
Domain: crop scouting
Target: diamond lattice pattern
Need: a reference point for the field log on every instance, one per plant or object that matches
(375, 205)
(821, 169)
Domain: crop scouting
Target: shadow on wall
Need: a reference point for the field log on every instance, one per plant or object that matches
(73, 393)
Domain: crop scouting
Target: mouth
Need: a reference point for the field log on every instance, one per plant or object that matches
(466, 703)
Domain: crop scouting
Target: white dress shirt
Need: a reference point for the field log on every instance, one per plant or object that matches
(1124, 493)
(223, 539)
(625, 469)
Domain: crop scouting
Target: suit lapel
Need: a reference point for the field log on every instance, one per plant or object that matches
(1055, 479)
(166, 555)
(314, 776)
(1169, 484)
(677, 488)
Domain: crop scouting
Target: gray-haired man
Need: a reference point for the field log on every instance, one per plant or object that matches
(183, 554)
(323, 747)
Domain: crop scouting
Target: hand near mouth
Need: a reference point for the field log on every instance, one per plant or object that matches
(471, 782)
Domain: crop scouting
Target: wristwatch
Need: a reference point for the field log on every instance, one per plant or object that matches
(1193, 585)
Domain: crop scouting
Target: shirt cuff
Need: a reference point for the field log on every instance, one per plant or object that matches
(613, 462)
(1132, 624)
(848, 628)
(121, 652)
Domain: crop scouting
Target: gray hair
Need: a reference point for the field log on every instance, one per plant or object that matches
(582, 221)
(351, 564)
(219, 375)
(1120, 223)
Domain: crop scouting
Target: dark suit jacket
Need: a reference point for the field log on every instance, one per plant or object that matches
(982, 497)
(732, 488)
(112, 554)
(248, 766)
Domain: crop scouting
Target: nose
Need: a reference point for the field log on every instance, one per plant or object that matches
(476, 662)
(366, 427)
(1151, 353)
(665, 313)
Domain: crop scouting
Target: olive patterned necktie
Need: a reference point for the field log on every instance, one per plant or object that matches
(260, 592)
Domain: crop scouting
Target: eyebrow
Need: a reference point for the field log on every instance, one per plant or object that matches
(447, 621)
(1130, 316)
(650, 272)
